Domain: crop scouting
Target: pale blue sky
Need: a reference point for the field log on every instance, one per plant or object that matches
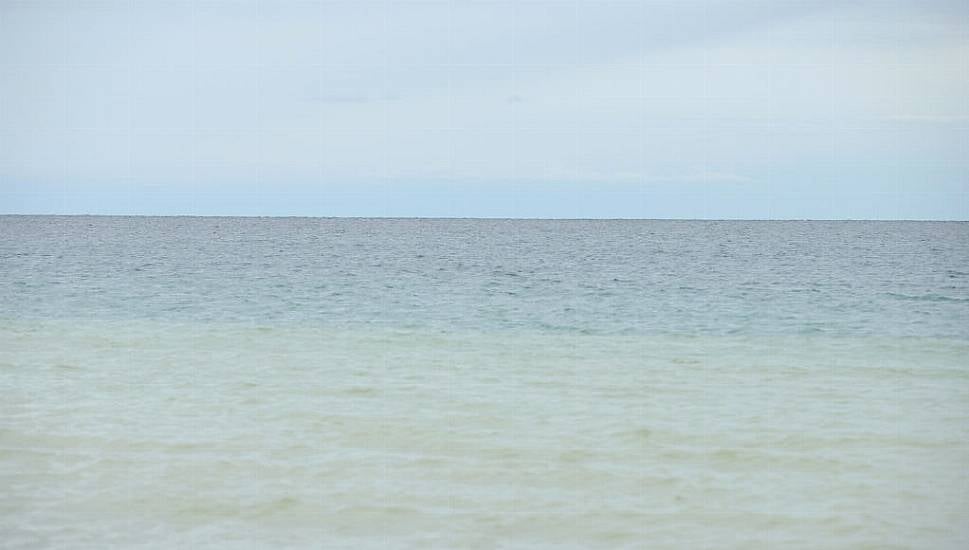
(558, 108)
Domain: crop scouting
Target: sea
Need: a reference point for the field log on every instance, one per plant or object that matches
(207, 382)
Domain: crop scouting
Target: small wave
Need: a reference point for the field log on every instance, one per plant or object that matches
(62, 366)
(275, 506)
(639, 434)
(927, 297)
(361, 391)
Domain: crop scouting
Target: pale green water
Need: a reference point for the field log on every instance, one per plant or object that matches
(263, 383)
(161, 435)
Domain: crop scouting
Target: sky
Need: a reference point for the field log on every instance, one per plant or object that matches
(757, 109)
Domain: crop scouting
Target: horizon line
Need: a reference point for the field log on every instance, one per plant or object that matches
(482, 218)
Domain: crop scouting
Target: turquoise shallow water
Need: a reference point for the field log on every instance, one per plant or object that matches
(260, 383)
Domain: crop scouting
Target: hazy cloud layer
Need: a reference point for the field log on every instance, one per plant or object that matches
(720, 108)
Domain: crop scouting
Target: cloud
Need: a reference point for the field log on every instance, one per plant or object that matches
(929, 119)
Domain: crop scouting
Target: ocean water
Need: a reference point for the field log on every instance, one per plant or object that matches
(333, 383)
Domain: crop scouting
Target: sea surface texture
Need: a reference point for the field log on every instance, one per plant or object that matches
(362, 383)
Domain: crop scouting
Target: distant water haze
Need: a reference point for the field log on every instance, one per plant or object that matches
(255, 383)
